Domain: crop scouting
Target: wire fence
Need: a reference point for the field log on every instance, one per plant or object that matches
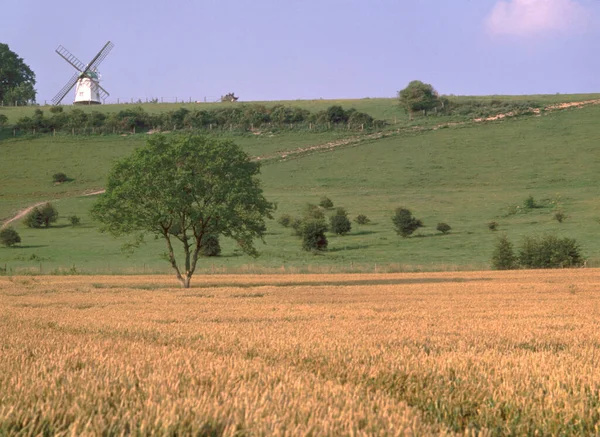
(130, 100)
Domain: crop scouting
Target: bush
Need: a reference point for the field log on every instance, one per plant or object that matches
(444, 228)
(59, 177)
(559, 216)
(339, 223)
(296, 225)
(285, 220)
(362, 219)
(3, 120)
(314, 212)
(504, 257)
(326, 202)
(313, 235)
(9, 237)
(210, 245)
(529, 203)
(74, 220)
(493, 226)
(549, 252)
(56, 109)
(41, 216)
(405, 223)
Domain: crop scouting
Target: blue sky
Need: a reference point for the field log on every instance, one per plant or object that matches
(307, 49)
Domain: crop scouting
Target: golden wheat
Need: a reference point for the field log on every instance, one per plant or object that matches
(477, 353)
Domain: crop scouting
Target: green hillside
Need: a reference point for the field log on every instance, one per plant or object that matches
(466, 175)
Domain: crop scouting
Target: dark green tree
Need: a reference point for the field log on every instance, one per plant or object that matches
(17, 80)
(418, 96)
(181, 189)
(312, 231)
(339, 223)
(9, 237)
(41, 216)
(405, 223)
(503, 257)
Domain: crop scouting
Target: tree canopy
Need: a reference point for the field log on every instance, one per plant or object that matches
(184, 189)
(418, 96)
(17, 80)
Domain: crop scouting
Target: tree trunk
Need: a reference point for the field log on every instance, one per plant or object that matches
(185, 281)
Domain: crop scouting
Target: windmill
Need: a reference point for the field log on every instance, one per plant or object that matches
(88, 91)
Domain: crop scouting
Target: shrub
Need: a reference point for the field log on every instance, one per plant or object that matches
(326, 202)
(3, 119)
(41, 216)
(362, 219)
(504, 257)
(285, 220)
(210, 245)
(493, 226)
(559, 216)
(313, 235)
(314, 212)
(59, 177)
(56, 109)
(549, 252)
(405, 223)
(74, 220)
(296, 225)
(444, 228)
(529, 203)
(339, 223)
(9, 237)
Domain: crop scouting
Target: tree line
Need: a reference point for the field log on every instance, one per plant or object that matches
(246, 117)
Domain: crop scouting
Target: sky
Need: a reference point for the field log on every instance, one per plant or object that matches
(310, 49)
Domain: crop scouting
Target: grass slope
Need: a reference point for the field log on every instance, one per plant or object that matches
(465, 175)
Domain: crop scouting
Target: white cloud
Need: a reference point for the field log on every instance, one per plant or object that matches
(524, 18)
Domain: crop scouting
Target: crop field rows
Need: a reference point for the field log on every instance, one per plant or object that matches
(478, 353)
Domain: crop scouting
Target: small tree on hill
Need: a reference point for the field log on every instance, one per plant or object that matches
(340, 223)
(9, 237)
(503, 257)
(211, 245)
(418, 96)
(41, 216)
(313, 236)
(404, 222)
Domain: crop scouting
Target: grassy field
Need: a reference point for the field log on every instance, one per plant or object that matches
(488, 354)
(466, 175)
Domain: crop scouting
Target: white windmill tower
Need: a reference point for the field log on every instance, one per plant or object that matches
(88, 91)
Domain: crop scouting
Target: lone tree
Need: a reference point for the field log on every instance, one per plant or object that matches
(418, 96)
(16, 79)
(9, 237)
(405, 223)
(182, 189)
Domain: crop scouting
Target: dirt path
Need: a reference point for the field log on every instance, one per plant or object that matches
(24, 212)
(301, 151)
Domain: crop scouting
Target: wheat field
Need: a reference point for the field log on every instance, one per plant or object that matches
(462, 353)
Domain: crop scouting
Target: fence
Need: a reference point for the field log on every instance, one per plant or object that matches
(132, 100)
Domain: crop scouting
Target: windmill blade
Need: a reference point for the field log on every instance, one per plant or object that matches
(103, 93)
(103, 53)
(70, 58)
(63, 92)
